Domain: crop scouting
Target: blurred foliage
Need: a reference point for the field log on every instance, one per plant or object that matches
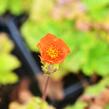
(83, 25)
(78, 105)
(38, 103)
(93, 92)
(80, 26)
(8, 62)
(34, 103)
(16, 7)
(96, 89)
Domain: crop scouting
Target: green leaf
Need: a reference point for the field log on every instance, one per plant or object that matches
(40, 10)
(99, 15)
(8, 62)
(16, 7)
(95, 4)
(6, 45)
(77, 105)
(38, 103)
(97, 88)
(98, 60)
(8, 78)
(3, 6)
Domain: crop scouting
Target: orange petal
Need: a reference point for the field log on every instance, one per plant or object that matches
(46, 40)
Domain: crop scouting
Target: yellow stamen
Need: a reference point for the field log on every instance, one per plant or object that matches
(52, 52)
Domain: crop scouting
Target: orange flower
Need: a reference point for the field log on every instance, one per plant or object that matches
(53, 50)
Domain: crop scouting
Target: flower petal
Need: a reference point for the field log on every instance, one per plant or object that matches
(53, 50)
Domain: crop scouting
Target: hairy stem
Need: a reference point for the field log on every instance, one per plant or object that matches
(45, 88)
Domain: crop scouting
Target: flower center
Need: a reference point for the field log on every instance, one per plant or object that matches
(52, 52)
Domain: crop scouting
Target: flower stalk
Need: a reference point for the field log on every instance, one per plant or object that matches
(53, 51)
(45, 88)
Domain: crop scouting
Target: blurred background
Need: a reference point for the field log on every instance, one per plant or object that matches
(82, 81)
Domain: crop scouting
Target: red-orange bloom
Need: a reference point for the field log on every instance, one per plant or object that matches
(53, 50)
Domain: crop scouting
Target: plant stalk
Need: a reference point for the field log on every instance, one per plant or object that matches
(45, 88)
